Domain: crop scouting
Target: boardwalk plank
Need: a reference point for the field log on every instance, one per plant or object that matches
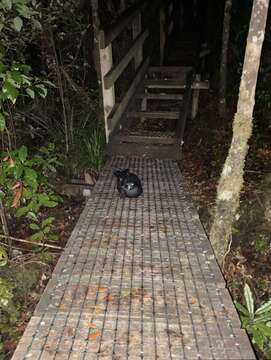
(137, 280)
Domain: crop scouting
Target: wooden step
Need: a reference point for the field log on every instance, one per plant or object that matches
(169, 69)
(174, 115)
(173, 84)
(154, 151)
(164, 84)
(150, 96)
(148, 137)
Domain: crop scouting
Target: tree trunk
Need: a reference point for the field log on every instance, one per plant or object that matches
(224, 58)
(231, 180)
(5, 227)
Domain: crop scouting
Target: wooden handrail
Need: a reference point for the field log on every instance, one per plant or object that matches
(110, 72)
(119, 109)
(112, 76)
(109, 33)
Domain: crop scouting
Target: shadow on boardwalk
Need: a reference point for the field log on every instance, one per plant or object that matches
(137, 280)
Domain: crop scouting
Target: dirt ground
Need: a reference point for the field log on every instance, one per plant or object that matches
(207, 140)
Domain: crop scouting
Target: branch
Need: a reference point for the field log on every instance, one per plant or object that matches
(31, 242)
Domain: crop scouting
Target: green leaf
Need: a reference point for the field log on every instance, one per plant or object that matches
(249, 300)
(23, 153)
(18, 23)
(264, 308)
(46, 230)
(34, 226)
(50, 204)
(265, 330)
(47, 221)
(16, 76)
(32, 216)
(30, 177)
(3, 68)
(37, 236)
(18, 170)
(26, 80)
(45, 200)
(27, 193)
(267, 352)
(258, 337)
(24, 11)
(2, 122)
(47, 82)
(22, 211)
(262, 318)
(25, 68)
(30, 92)
(7, 4)
(10, 92)
(42, 91)
(3, 257)
(241, 308)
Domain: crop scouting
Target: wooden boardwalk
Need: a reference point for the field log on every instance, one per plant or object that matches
(137, 280)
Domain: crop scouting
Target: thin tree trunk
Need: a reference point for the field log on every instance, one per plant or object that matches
(5, 227)
(224, 58)
(61, 93)
(231, 180)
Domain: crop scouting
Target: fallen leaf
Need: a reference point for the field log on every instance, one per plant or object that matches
(99, 309)
(17, 185)
(94, 335)
(11, 162)
(17, 194)
(92, 326)
(102, 289)
(109, 298)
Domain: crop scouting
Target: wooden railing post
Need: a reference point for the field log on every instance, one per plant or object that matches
(170, 13)
(106, 62)
(195, 99)
(137, 28)
(103, 63)
(162, 34)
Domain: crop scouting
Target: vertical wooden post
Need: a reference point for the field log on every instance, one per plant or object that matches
(137, 28)
(195, 99)
(103, 63)
(162, 34)
(106, 62)
(171, 24)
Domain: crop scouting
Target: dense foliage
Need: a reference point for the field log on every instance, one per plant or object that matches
(48, 95)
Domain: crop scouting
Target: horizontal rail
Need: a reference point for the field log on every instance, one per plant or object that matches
(111, 77)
